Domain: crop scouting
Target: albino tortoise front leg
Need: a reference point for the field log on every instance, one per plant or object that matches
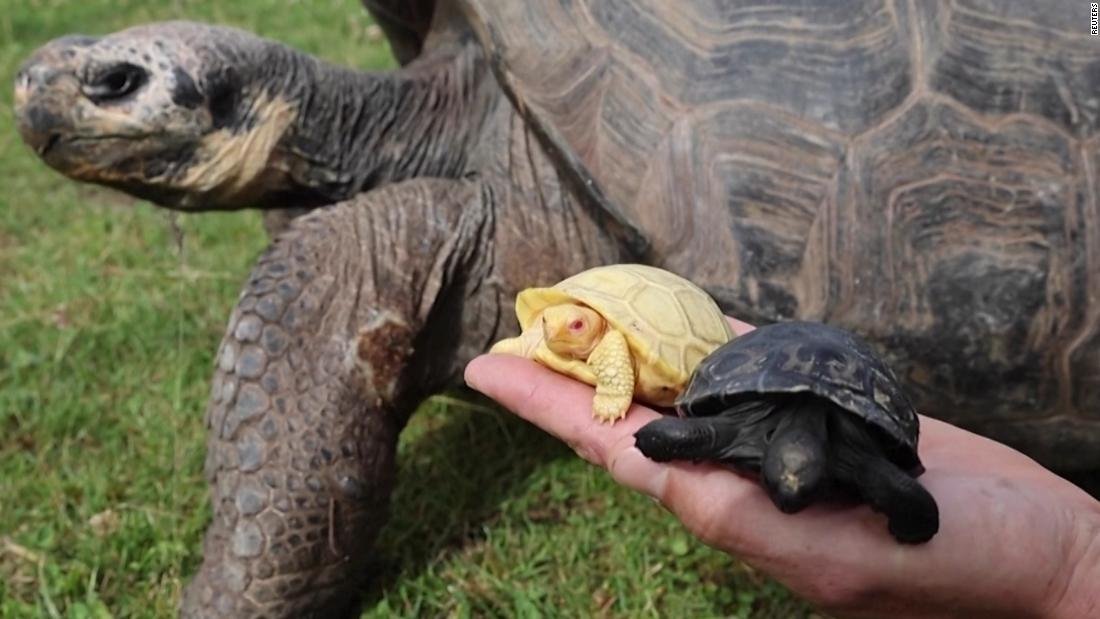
(614, 369)
(326, 354)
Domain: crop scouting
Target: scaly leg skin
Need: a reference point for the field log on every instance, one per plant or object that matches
(316, 376)
(734, 437)
(614, 369)
(858, 463)
(795, 467)
(692, 438)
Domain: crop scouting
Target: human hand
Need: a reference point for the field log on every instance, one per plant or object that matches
(1014, 539)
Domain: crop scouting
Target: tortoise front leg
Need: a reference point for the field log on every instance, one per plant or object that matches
(325, 356)
(858, 463)
(736, 436)
(614, 369)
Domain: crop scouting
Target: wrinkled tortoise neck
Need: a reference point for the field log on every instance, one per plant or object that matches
(352, 131)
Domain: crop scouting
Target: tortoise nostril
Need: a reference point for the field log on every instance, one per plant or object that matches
(47, 145)
(40, 128)
(41, 120)
(36, 75)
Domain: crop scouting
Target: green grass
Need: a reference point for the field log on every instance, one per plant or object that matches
(109, 313)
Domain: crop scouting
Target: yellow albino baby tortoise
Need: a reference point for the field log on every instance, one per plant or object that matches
(630, 330)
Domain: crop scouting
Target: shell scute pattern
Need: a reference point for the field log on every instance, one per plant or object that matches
(658, 311)
(925, 174)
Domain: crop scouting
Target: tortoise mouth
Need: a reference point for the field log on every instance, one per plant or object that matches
(129, 162)
(91, 157)
(58, 147)
(47, 145)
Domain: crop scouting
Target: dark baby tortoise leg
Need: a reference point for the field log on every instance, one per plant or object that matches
(795, 468)
(858, 463)
(734, 436)
(673, 438)
(326, 354)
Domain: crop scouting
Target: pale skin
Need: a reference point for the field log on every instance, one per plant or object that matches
(577, 341)
(1015, 539)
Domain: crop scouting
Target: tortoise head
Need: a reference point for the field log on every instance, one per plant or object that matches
(572, 330)
(160, 111)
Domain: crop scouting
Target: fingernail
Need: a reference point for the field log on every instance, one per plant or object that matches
(469, 374)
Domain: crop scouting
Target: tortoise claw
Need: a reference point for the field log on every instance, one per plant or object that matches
(610, 408)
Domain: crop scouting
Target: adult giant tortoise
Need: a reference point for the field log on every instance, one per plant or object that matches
(922, 173)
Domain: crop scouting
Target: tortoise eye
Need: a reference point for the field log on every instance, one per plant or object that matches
(576, 325)
(115, 83)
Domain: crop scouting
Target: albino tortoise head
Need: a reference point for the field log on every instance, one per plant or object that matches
(159, 111)
(572, 330)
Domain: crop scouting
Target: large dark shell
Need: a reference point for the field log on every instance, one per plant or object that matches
(793, 357)
(925, 173)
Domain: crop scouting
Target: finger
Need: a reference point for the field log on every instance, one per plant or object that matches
(555, 403)
(732, 512)
(740, 328)
(701, 495)
(563, 407)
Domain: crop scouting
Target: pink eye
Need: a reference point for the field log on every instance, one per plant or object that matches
(576, 325)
